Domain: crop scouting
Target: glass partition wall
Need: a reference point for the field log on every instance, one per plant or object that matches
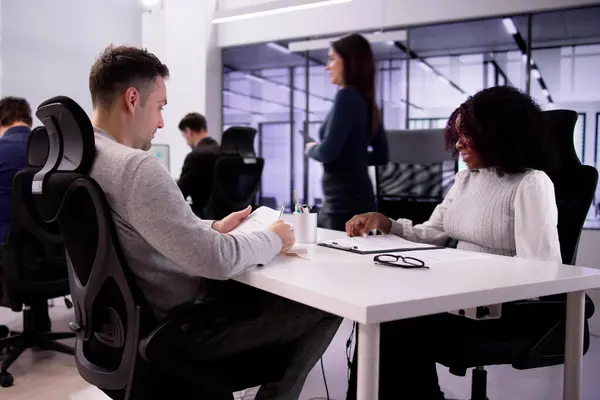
(422, 77)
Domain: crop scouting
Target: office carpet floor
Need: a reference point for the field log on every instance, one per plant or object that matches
(51, 376)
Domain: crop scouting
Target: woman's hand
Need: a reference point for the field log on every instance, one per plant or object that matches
(362, 224)
(308, 147)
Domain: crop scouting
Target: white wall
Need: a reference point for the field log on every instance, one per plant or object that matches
(182, 36)
(360, 15)
(48, 47)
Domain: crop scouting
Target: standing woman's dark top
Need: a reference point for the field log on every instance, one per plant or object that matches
(351, 127)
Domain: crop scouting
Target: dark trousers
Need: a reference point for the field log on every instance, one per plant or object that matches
(265, 319)
(410, 348)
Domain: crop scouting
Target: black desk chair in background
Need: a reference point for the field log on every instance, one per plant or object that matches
(121, 347)
(574, 185)
(237, 174)
(418, 176)
(34, 267)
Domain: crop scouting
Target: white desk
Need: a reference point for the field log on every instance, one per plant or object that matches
(353, 287)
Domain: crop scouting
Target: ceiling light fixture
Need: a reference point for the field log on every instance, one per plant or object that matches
(149, 5)
(271, 8)
(279, 48)
(256, 78)
(424, 66)
(389, 37)
(509, 25)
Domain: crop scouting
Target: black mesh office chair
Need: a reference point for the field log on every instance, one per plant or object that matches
(418, 176)
(238, 174)
(121, 347)
(34, 267)
(574, 185)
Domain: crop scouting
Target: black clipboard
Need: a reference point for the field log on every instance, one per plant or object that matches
(355, 249)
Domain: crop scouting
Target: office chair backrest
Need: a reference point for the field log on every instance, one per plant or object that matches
(236, 182)
(33, 255)
(237, 174)
(38, 147)
(574, 184)
(239, 140)
(108, 305)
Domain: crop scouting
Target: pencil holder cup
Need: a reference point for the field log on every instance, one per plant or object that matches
(305, 227)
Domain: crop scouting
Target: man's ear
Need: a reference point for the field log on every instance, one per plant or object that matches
(132, 98)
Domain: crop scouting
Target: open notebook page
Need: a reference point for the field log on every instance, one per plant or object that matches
(259, 220)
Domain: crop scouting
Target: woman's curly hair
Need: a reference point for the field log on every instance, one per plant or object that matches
(507, 128)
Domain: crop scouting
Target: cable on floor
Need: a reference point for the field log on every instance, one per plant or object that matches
(325, 382)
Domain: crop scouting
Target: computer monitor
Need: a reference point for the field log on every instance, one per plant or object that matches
(162, 154)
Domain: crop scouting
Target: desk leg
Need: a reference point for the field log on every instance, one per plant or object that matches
(574, 346)
(368, 362)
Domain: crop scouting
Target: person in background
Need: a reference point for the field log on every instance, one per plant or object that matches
(352, 126)
(15, 128)
(173, 253)
(197, 174)
(503, 204)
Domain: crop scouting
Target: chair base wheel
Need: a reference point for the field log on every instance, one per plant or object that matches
(6, 380)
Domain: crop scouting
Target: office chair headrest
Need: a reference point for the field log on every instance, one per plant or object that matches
(71, 145)
(562, 125)
(38, 147)
(239, 140)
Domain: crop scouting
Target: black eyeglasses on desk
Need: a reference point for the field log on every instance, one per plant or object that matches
(393, 260)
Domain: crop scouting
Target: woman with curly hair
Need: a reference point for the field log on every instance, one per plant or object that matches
(503, 204)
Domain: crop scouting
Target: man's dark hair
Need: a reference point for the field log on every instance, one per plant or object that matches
(195, 121)
(121, 67)
(508, 130)
(13, 110)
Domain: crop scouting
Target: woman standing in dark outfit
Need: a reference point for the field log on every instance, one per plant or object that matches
(351, 127)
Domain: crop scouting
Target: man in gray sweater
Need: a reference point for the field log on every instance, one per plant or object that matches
(173, 253)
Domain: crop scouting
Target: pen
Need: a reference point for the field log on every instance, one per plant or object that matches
(297, 206)
(281, 212)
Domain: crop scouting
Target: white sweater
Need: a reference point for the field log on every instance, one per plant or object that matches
(511, 215)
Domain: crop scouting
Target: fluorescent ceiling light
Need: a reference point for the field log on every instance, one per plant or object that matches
(256, 78)
(509, 25)
(149, 4)
(535, 73)
(270, 8)
(390, 42)
(320, 44)
(279, 48)
(425, 67)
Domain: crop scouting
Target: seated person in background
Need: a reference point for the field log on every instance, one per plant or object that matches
(15, 127)
(171, 251)
(503, 204)
(196, 178)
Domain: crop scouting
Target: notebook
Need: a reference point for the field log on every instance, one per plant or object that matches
(376, 244)
(259, 220)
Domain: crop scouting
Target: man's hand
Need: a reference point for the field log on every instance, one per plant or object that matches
(285, 233)
(362, 224)
(232, 221)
